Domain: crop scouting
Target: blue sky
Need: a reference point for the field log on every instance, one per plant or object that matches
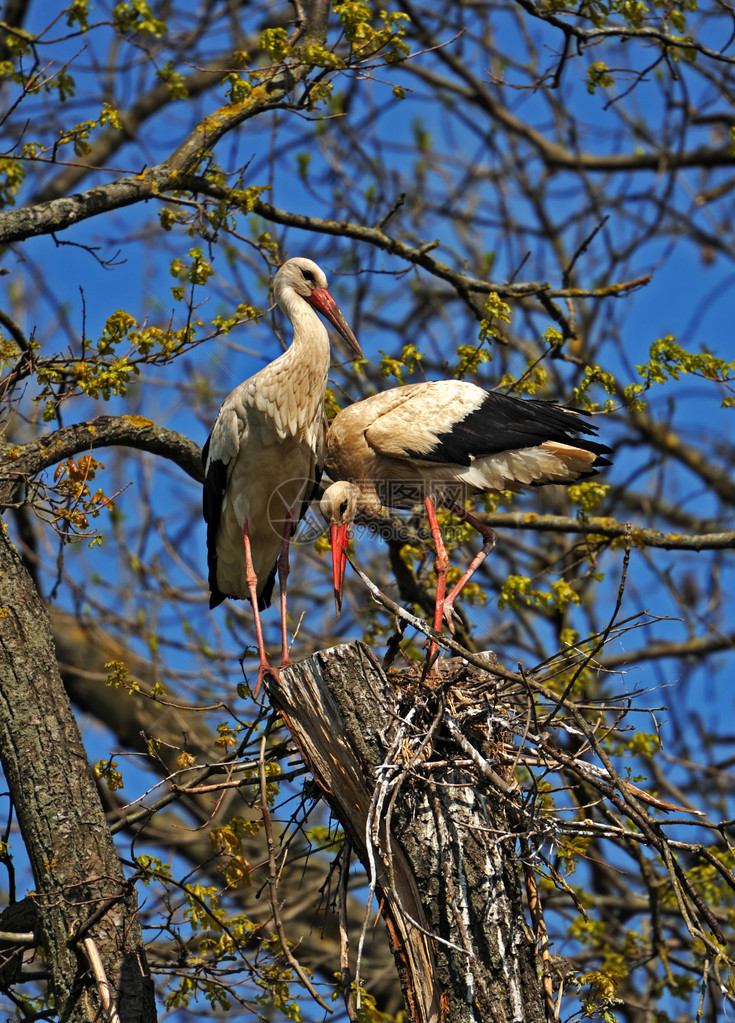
(690, 296)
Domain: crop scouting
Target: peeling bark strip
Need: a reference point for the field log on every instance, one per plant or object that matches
(428, 825)
(78, 875)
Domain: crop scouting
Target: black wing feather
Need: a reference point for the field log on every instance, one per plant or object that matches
(215, 482)
(504, 423)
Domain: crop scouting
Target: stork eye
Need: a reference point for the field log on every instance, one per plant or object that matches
(308, 276)
(343, 508)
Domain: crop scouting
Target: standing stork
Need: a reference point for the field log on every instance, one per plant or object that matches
(265, 454)
(440, 443)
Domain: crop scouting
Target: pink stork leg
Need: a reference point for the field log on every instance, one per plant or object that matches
(283, 570)
(489, 539)
(252, 581)
(442, 567)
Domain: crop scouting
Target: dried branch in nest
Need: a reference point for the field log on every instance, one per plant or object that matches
(441, 785)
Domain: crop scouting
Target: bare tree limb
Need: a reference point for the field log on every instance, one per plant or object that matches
(606, 526)
(21, 462)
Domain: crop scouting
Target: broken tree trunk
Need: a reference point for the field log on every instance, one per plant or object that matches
(405, 768)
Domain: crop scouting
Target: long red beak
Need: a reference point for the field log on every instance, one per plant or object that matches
(340, 539)
(323, 301)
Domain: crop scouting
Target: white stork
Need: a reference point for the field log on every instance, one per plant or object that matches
(265, 454)
(440, 443)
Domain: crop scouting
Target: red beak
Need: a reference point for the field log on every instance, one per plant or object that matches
(340, 539)
(323, 301)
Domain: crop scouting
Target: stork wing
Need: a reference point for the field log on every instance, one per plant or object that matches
(220, 449)
(218, 453)
(453, 421)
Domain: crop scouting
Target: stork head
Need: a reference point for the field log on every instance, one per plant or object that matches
(339, 507)
(301, 276)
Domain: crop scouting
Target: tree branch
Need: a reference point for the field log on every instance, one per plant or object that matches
(640, 535)
(474, 92)
(58, 214)
(695, 647)
(25, 461)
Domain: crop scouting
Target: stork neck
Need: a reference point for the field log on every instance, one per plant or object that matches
(310, 345)
(302, 372)
(310, 337)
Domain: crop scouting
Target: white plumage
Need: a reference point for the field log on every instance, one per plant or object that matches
(265, 454)
(440, 442)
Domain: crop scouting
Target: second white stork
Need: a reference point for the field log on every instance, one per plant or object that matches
(440, 443)
(265, 454)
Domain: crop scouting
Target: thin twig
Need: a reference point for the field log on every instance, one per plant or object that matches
(273, 886)
(344, 937)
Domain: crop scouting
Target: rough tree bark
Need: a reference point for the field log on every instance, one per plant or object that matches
(84, 902)
(429, 824)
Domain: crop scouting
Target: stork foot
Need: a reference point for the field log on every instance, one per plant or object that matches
(264, 670)
(448, 614)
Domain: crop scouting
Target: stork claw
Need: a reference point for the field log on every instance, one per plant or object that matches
(266, 669)
(448, 615)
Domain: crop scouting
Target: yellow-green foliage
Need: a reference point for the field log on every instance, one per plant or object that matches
(174, 80)
(571, 851)
(195, 270)
(119, 676)
(492, 501)
(12, 176)
(226, 736)
(332, 407)
(275, 43)
(496, 312)
(469, 358)
(108, 772)
(368, 1011)
(102, 372)
(589, 494)
(553, 337)
(669, 361)
(77, 12)
(594, 375)
(646, 744)
(365, 38)
(150, 868)
(78, 137)
(598, 75)
(237, 88)
(227, 842)
(319, 56)
(533, 380)
(137, 16)
(407, 362)
(325, 838)
(517, 590)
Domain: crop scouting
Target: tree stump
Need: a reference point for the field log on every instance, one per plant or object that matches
(405, 766)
